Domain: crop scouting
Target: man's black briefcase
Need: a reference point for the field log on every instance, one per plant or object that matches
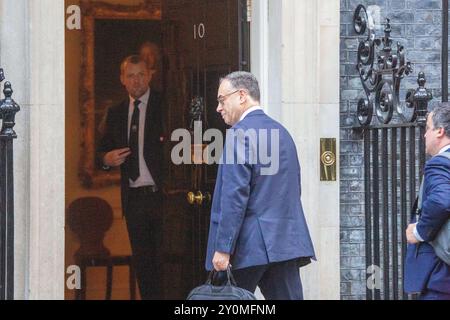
(229, 291)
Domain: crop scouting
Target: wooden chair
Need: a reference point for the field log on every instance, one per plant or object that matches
(90, 218)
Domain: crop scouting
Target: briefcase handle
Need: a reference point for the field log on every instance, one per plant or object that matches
(230, 278)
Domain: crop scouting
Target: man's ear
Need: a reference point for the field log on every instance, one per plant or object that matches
(122, 79)
(151, 72)
(441, 133)
(244, 96)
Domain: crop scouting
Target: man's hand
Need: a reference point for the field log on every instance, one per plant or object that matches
(410, 237)
(220, 261)
(117, 157)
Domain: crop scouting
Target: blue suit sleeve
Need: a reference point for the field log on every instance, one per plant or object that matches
(436, 206)
(236, 179)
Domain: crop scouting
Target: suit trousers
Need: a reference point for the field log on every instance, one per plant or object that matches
(277, 281)
(434, 295)
(144, 223)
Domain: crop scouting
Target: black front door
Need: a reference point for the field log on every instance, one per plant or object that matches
(203, 40)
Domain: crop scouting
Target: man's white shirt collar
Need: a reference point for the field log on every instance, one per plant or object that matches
(444, 149)
(249, 111)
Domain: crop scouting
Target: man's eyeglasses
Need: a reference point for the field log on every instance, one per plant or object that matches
(222, 99)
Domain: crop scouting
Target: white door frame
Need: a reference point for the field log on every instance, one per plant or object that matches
(295, 56)
(32, 43)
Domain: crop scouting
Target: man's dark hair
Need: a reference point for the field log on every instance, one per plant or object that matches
(133, 59)
(441, 117)
(244, 80)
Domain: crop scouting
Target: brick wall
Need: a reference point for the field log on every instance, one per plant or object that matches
(417, 25)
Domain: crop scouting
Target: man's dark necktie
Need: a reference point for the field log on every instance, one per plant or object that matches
(134, 143)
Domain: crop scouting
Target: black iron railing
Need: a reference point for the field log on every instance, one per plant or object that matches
(8, 110)
(393, 159)
(394, 153)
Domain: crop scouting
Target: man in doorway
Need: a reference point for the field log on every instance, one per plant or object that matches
(425, 272)
(151, 53)
(132, 141)
(257, 221)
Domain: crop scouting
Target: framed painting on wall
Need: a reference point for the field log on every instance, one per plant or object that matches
(110, 34)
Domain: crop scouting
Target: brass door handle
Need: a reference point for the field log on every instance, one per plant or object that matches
(198, 198)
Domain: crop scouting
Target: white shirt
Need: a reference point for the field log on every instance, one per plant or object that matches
(444, 149)
(145, 179)
(249, 111)
(416, 233)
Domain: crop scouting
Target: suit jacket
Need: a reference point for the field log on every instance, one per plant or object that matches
(116, 137)
(257, 218)
(423, 269)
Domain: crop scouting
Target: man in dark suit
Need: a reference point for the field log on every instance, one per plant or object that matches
(132, 140)
(257, 221)
(425, 272)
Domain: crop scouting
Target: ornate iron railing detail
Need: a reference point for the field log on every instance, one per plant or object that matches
(381, 74)
(8, 110)
(394, 148)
